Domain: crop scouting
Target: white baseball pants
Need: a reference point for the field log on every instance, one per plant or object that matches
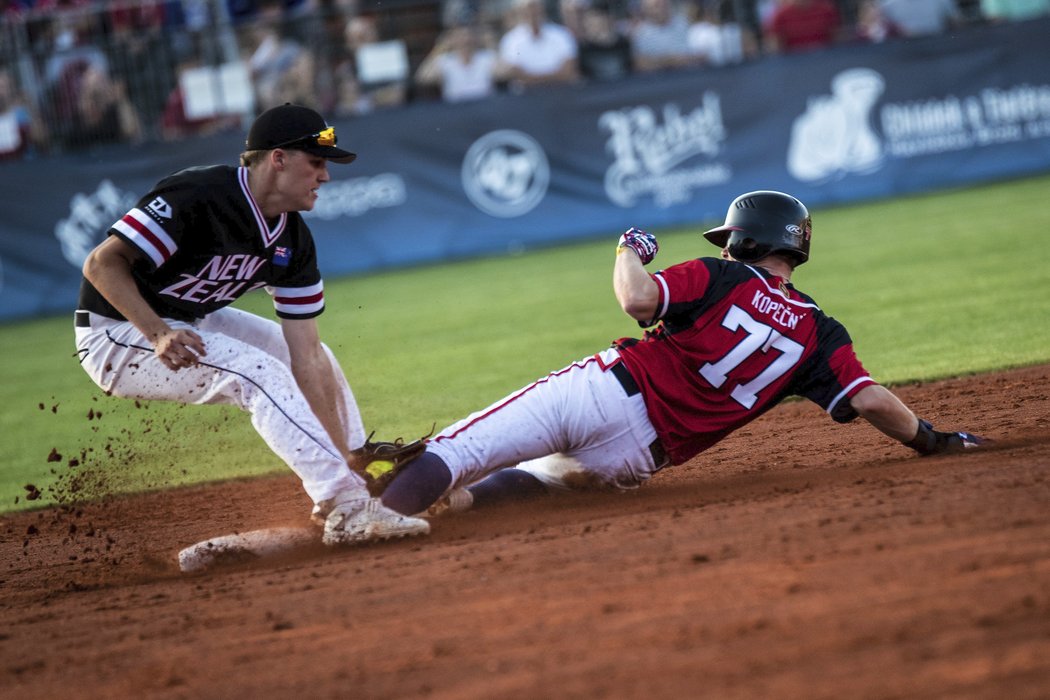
(576, 427)
(247, 366)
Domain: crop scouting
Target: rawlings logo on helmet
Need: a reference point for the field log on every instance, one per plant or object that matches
(805, 231)
(763, 222)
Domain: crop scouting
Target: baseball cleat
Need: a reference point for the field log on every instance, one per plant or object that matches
(368, 520)
(455, 501)
(320, 513)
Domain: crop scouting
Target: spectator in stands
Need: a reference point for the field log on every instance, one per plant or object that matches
(104, 114)
(604, 51)
(141, 15)
(374, 74)
(873, 27)
(718, 38)
(275, 58)
(462, 64)
(456, 13)
(71, 48)
(803, 25)
(142, 55)
(22, 133)
(922, 17)
(175, 123)
(80, 101)
(660, 38)
(571, 13)
(536, 50)
(764, 10)
(1014, 10)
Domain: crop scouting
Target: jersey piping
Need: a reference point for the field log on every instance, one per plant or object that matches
(732, 342)
(206, 243)
(269, 236)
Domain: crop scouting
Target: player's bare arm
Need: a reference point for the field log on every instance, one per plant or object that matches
(108, 268)
(635, 289)
(881, 407)
(315, 377)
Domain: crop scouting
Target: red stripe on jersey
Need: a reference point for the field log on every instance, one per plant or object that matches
(511, 399)
(148, 235)
(730, 347)
(312, 299)
(682, 282)
(850, 374)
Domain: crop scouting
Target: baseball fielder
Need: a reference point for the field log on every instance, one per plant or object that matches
(154, 320)
(734, 338)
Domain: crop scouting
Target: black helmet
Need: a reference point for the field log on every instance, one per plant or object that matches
(764, 222)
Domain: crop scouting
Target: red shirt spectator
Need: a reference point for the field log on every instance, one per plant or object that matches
(145, 14)
(801, 25)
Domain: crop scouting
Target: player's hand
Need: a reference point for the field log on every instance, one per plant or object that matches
(178, 348)
(641, 242)
(929, 441)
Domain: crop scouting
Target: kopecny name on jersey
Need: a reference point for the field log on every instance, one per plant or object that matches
(779, 313)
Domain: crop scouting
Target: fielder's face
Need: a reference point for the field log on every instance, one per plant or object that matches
(301, 176)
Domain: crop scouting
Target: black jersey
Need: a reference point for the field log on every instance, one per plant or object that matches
(733, 342)
(206, 243)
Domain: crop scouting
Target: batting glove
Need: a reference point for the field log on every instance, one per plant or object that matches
(641, 242)
(929, 441)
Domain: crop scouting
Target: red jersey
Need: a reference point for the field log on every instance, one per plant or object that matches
(733, 341)
(807, 26)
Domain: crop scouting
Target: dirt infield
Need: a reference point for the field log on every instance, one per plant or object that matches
(796, 560)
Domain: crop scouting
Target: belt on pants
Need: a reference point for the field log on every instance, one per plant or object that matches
(630, 387)
(82, 318)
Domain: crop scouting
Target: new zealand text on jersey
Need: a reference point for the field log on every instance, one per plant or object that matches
(777, 311)
(223, 278)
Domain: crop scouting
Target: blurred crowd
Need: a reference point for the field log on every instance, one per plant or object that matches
(76, 73)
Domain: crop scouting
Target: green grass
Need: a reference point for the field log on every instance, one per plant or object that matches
(932, 286)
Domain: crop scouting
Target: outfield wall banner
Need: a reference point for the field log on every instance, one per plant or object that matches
(437, 182)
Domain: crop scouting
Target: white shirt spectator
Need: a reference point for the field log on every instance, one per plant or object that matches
(670, 39)
(660, 39)
(922, 17)
(719, 44)
(538, 55)
(467, 81)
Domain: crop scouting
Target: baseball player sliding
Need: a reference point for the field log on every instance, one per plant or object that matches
(734, 338)
(154, 320)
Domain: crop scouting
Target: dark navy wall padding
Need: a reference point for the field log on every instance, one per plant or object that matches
(437, 182)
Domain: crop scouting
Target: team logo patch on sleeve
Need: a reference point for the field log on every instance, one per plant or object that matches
(160, 207)
(282, 256)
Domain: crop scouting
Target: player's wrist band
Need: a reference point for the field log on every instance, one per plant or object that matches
(925, 440)
(928, 441)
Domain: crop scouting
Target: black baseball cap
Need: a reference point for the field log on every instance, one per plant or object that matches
(299, 128)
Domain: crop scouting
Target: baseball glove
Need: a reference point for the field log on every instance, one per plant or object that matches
(379, 462)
